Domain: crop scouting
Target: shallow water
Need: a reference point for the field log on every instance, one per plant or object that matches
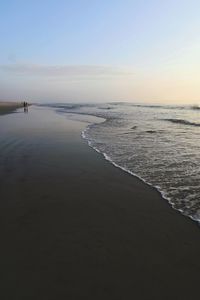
(159, 144)
(36, 150)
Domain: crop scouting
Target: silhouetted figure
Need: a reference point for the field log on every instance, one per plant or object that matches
(25, 107)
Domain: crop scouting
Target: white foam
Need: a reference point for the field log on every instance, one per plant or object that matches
(158, 188)
(91, 143)
(108, 158)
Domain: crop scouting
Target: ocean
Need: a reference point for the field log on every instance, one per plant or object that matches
(159, 144)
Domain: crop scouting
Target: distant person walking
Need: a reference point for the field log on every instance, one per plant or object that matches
(25, 107)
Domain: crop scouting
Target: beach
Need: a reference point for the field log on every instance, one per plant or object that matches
(74, 226)
(9, 107)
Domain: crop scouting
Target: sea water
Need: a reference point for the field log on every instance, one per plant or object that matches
(159, 144)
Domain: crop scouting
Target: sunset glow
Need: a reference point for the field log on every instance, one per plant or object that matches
(100, 51)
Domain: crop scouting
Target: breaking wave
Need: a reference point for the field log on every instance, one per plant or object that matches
(183, 122)
(139, 140)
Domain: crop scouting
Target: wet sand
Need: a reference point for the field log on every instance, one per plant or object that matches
(73, 226)
(9, 107)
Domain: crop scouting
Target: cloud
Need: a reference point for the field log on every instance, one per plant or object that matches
(66, 71)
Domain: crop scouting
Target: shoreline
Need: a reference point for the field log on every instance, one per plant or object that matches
(75, 226)
(107, 158)
(162, 194)
(7, 107)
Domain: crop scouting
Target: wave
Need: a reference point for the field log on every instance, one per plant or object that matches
(106, 119)
(183, 122)
(164, 195)
(195, 107)
(151, 131)
(143, 105)
(122, 122)
(112, 105)
(68, 106)
(157, 106)
(142, 132)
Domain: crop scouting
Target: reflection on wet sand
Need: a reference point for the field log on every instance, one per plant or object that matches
(26, 109)
(75, 227)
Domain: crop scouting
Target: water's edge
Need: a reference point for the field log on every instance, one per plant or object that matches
(107, 157)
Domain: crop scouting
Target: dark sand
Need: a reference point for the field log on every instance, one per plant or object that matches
(73, 226)
(9, 107)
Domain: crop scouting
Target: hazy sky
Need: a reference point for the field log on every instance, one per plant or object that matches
(100, 50)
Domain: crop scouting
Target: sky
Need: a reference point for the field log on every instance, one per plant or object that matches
(100, 51)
